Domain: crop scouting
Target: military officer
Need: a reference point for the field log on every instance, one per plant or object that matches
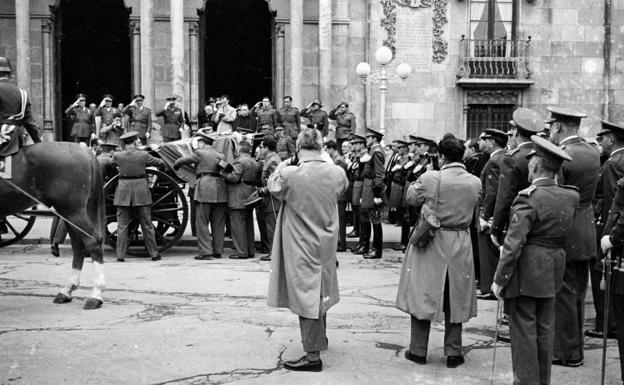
(316, 116)
(373, 191)
(392, 161)
(108, 121)
(331, 148)
(285, 144)
(242, 183)
(345, 123)
(139, 118)
(582, 172)
(514, 172)
(356, 178)
(530, 271)
(270, 205)
(289, 118)
(173, 120)
(133, 191)
(211, 197)
(397, 193)
(81, 116)
(267, 116)
(493, 142)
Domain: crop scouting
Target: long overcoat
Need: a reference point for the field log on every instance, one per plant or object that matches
(449, 253)
(303, 259)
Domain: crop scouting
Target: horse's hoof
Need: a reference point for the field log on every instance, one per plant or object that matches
(61, 298)
(92, 303)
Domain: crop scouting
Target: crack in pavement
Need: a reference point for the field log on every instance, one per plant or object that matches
(51, 329)
(228, 376)
(384, 345)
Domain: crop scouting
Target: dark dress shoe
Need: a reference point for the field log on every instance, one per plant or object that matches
(262, 250)
(251, 256)
(121, 260)
(503, 338)
(54, 249)
(360, 250)
(486, 296)
(372, 255)
(304, 365)
(217, 256)
(570, 363)
(454, 361)
(420, 360)
(400, 247)
(157, 258)
(598, 334)
(353, 234)
(205, 257)
(266, 257)
(238, 256)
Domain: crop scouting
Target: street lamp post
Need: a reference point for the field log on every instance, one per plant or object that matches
(383, 78)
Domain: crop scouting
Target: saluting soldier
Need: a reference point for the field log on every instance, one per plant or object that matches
(582, 172)
(514, 172)
(531, 268)
(286, 146)
(242, 183)
(270, 205)
(211, 197)
(397, 193)
(373, 192)
(81, 116)
(133, 191)
(316, 116)
(139, 118)
(173, 120)
(356, 180)
(345, 123)
(493, 142)
(289, 118)
(267, 116)
(109, 127)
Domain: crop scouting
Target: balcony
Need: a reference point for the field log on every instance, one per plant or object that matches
(488, 63)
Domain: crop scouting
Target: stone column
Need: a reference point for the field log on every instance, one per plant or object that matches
(325, 54)
(176, 12)
(280, 63)
(147, 21)
(47, 83)
(22, 35)
(193, 102)
(296, 52)
(135, 27)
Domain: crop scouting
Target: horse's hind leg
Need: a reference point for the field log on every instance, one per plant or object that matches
(93, 247)
(65, 295)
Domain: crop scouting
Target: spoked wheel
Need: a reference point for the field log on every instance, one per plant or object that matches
(17, 227)
(169, 214)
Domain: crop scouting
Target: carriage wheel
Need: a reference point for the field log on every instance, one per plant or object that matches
(18, 226)
(169, 214)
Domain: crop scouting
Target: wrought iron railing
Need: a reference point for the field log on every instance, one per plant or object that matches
(494, 59)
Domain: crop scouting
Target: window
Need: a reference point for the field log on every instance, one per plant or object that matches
(482, 116)
(493, 19)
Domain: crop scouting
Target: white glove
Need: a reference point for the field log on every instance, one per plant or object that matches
(377, 201)
(496, 290)
(147, 135)
(605, 244)
(495, 241)
(483, 224)
(93, 136)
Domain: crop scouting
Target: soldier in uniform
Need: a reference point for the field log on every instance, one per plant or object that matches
(204, 117)
(211, 197)
(356, 178)
(81, 116)
(289, 118)
(373, 192)
(394, 159)
(493, 142)
(582, 172)
(286, 146)
(108, 126)
(270, 205)
(266, 115)
(173, 120)
(317, 117)
(530, 271)
(397, 192)
(133, 192)
(611, 138)
(139, 118)
(514, 172)
(244, 122)
(242, 183)
(345, 123)
(331, 148)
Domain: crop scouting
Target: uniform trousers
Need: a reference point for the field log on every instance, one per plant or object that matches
(241, 222)
(371, 215)
(405, 225)
(342, 223)
(570, 312)
(314, 332)
(488, 260)
(58, 232)
(532, 327)
(264, 239)
(474, 237)
(598, 296)
(452, 332)
(213, 214)
(269, 222)
(123, 223)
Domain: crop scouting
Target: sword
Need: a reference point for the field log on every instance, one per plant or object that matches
(605, 284)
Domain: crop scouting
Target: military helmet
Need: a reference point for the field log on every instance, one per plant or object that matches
(5, 65)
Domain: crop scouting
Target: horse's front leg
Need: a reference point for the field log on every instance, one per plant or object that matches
(65, 295)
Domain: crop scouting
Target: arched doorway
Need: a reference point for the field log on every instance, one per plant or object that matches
(93, 53)
(236, 50)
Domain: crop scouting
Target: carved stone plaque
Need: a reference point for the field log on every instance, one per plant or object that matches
(414, 34)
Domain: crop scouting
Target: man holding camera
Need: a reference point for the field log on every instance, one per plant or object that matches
(224, 116)
(139, 118)
(173, 120)
(345, 123)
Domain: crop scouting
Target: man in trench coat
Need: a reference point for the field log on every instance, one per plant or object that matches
(303, 267)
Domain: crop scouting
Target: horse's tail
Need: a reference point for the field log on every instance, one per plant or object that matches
(95, 206)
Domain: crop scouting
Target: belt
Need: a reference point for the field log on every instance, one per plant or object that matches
(207, 173)
(550, 243)
(126, 177)
(249, 183)
(455, 228)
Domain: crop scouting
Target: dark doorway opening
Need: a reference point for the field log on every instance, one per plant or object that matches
(236, 56)
(94, 54)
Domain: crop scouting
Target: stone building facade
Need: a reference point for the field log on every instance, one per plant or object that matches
(473, 61)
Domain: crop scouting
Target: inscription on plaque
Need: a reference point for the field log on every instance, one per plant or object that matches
(414, 34)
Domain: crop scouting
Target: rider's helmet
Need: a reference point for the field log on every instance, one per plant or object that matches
(5, 65)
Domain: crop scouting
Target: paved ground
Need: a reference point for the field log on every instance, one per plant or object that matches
(181, 321)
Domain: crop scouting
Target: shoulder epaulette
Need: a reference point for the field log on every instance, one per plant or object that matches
(512, 152)
(528, 191)
(569, 187)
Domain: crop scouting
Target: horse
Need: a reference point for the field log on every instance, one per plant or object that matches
(67, 177)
